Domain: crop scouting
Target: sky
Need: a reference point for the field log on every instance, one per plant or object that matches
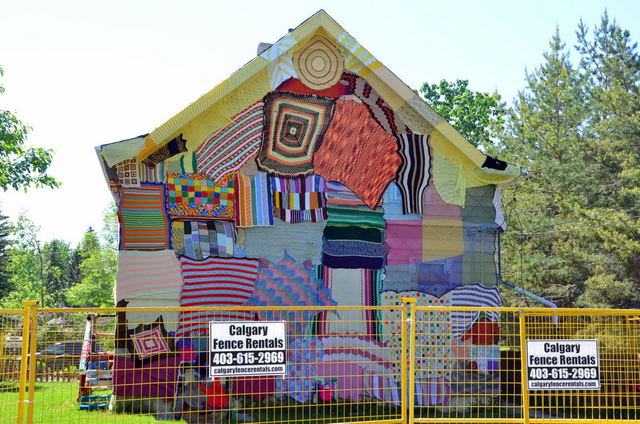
(84, 73)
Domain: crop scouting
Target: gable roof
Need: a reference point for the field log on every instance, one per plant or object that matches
(213, 110)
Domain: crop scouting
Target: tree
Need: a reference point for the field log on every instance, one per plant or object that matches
(98, 266)
(574, 228)
(21, 166)
(477, 116)
(5, 230)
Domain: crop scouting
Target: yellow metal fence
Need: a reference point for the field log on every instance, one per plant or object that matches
(391, 364)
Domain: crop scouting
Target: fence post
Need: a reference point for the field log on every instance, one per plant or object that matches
(524, 395)
(408, 396)
(24, 357)
(33, 349)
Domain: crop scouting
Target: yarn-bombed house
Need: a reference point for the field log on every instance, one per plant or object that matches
(312, 176)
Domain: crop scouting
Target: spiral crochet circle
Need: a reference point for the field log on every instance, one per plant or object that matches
(319, 64)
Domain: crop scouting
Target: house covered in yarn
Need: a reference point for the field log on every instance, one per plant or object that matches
(312, 176)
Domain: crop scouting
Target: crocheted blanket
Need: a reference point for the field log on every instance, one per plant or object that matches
(293, 131)
(299, 199)
(194, 196)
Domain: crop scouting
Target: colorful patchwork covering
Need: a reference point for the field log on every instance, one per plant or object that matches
(215, 282)
(354, 235)
(127, 172)
(253, 201)
(357, 152)
(301, 241)
(172, 148)
(292, 284)
(201, 239)
(155, 273)
(414, 172)
(229, 149)
(379, 109)
(351, 287)
(299, 199)
(144, 224)
(293, 131)
(194, 196)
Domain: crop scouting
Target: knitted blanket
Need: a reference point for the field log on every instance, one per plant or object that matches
(301, 241)
(172, 148)
(253, 201)
(357, 152)
(229, 149)
(354, 235)
(152, 274)
(194, 196)
(294, 127)
(215, 282)
(378, 108)
(299, 199)
(414, 172)
(293, 284)
(144, 224)
(201, 239)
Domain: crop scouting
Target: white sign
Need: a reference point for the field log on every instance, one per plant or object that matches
(563, 365)
(245, 348)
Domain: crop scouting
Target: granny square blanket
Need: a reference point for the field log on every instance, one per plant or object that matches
(293, 131)
(191, 196)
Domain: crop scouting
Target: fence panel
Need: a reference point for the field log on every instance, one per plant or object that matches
(11, 340)
(401, 363)
(618, 339)
(343, 365)
(467, 365)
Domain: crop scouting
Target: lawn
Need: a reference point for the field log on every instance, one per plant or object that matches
(56, 403)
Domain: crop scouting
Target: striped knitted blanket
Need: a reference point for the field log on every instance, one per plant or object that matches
(474, 295)
(253, 201)
(150, 274)
(414, 172)
(229, 149)
(299, 199)
(201, 239)
(354, 235)
(144, 224)
(212, 282)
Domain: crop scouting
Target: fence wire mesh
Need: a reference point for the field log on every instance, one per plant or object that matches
(394, 364)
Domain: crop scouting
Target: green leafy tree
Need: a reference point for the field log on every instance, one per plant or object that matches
(477, 116)
(21, 166)
(98, 267)
(574, 233)
(5, 243)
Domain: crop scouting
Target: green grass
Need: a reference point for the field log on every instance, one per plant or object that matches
(56, 403)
